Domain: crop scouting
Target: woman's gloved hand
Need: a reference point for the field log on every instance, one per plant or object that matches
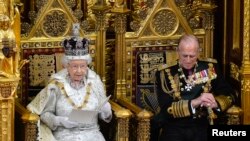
(106, 112)
(106, 108)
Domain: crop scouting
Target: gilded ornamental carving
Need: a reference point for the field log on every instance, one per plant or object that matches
(164, 22)
(145, 37)
(55, 23)
(41, 67)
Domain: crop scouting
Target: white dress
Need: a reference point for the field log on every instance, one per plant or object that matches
(52, 101)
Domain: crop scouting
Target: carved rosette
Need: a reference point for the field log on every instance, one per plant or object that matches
(55, 24)
(164, 22)
(78, 13)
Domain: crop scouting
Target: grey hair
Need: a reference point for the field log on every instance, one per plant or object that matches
(65, 59)
(188, 38)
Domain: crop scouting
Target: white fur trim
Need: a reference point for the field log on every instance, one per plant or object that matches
(84, 57)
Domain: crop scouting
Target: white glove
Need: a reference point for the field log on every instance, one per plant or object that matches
(106, 108)
(63, 121)
(106, 112)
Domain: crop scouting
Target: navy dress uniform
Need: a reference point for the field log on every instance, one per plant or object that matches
(176, 87)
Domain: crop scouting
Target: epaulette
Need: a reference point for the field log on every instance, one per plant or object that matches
(164, 66)
(211, 60)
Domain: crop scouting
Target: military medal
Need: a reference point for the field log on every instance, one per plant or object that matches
(190, 82)
(188, 87)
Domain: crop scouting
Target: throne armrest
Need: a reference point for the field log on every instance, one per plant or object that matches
(29, 121)
(122, 117)
(142, 117)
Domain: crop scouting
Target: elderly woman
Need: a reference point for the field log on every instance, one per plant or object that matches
(74, 87)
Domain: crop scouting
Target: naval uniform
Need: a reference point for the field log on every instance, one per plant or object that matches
(176, 87)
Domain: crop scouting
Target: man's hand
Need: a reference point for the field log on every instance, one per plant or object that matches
(204, 100)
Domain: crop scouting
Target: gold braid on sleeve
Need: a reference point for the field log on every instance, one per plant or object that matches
(164, 84)
(224, 101)
(179, 109)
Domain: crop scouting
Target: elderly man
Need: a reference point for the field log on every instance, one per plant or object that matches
(190, 92)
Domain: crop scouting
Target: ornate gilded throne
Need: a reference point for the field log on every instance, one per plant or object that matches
(129, 40)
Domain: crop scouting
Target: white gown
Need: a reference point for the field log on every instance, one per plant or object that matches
(52, 101)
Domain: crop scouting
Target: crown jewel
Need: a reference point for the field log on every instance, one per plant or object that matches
(76, 46)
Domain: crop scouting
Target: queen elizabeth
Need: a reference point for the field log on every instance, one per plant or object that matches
(74, 87)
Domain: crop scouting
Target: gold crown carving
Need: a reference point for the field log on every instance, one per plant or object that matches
(75, 45)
